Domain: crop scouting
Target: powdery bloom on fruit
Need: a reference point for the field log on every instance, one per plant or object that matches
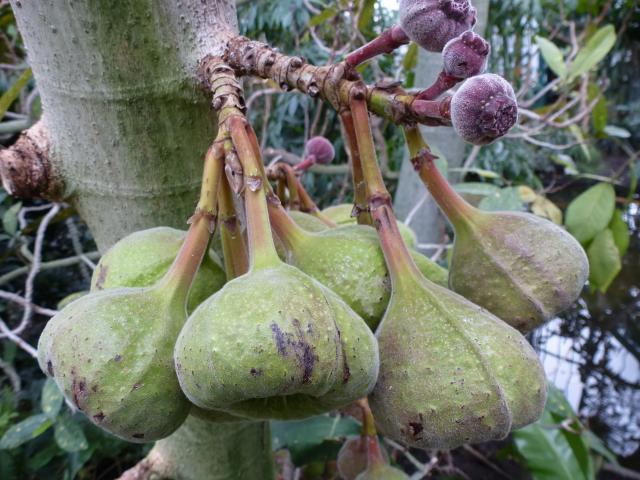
(432, 23)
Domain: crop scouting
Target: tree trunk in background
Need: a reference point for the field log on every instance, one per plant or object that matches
(129, 128)
(428, 222)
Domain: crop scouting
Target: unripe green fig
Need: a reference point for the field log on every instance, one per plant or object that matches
(142, 258)
(294, 350)
(71, 298)
(531, 269)
(111, 351)
(349, 261)
(308, 222)
(273, 342)
(341, 214)
(451, 373)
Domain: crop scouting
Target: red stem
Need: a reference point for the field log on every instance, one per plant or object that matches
(386, 42)
(443, 83)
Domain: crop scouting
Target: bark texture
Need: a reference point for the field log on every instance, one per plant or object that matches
(129, 124)
(129, 127)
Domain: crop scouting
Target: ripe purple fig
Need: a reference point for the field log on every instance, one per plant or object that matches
(466, 55)
(317, 150)
(484, 108)
(432, 23)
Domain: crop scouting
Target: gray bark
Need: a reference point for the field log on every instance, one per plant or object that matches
(428, 222)
(129, 127)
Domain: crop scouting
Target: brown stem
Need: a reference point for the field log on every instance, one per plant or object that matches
(359, 186)
(309, 206)
(386, 42)
(234, 248)
(287, 230)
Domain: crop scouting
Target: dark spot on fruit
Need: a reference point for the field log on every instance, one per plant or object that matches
(50, 368)
(98, 417)
(415, 429)
(256, 372)
(102, 276)
(117, 358)
(136, 386)
(79, 391)
(279, 338)
(94, 389)
(138, 435)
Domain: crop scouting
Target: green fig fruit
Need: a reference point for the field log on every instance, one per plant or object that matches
(308, 222)
(111, 351)
(531, 269)
(348, 260)
(341, 215)
(273, 342)
(142, 258)
(294, 350)
(71, 298)
(451, 373)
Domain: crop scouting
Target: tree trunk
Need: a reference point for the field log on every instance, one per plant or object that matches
(129, 127)
(428, 222)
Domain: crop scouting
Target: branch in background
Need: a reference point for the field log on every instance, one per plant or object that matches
(25, 168)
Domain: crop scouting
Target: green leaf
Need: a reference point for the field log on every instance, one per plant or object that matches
(590, 212)
(546, 451)
(552, 55)
(593, 52)
(314, 438)
(567, 162)
(10, 219)
(604, 260)
(24, 431)
(576, 131)
(366, 14)
(598, 446)
(505, 199)
(51, 400)
(69, 435)
(618, 132)
(42, 457)
(600, 111)
(10, 95)
(620, 231)
(323, 16)
(410, 60)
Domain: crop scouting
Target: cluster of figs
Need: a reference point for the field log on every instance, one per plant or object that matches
(322, 317)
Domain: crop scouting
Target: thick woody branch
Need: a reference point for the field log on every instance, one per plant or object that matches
(25, 168)
(332, 83)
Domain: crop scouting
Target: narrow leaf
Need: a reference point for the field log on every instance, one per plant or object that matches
(24, 431)
(323, 16)
(593, 52)
(552, 55)
(10, 95)
(620, 231)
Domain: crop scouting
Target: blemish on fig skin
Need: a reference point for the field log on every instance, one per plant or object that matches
(136, 386)
(279, 338)
(102, 276)
(50, 368)
(415, 429)
(99, 417)
(79, 392)
(117, 358)
(256, 372)
(138, 435)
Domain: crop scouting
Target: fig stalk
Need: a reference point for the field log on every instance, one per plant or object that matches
(389, 40)
(234, 249)
(360, 195)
